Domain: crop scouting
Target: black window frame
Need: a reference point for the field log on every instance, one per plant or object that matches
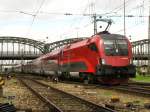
(115, 49)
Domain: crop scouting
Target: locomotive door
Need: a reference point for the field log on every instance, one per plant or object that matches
(68, 60)
(60, 61)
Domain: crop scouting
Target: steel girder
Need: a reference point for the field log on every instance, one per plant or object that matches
(140, 42)
(140, 49)
(58, 44)
(44, 48)
(37, 44)
(138, 46)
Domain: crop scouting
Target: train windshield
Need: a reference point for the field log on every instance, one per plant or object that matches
(115, 47)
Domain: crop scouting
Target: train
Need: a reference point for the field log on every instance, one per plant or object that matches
(105, 58)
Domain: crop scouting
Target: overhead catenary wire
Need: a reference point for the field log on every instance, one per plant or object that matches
(110, 14)
(131, 27)
(87, 7)
(139, 14)
(34, 16)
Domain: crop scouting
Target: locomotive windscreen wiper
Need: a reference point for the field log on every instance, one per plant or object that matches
(110, 47)
(115, 47)
(122, 47)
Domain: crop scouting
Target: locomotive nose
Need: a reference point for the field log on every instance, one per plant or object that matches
(117, 61)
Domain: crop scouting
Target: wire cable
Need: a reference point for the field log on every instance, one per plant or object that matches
(34, 17)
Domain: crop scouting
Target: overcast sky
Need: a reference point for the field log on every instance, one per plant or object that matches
(17, 18)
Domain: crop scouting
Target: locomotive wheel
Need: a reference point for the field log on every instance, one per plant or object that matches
(65, 75)
(81, 76)
(91, 78)
(87, 77)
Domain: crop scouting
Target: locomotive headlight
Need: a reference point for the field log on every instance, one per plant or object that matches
(103, 62)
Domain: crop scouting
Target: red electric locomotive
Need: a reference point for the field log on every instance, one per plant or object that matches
(104, 57)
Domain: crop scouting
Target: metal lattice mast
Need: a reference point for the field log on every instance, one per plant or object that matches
(149, 39)
(124, 18)
(95, 24)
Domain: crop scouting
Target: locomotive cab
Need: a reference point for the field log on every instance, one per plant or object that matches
(115, 57)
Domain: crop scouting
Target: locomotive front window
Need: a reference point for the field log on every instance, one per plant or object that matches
(117, 47)
(109, 47)
(122, 47)
(109, 44)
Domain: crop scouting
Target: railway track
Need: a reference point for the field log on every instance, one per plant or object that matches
(139, 83)
(60, 101)
(142, 89)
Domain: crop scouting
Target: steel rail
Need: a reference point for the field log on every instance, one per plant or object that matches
(101, 108)
(91, 105)
(135, 89)
(139, 83)
(51, 106)
(144, 91)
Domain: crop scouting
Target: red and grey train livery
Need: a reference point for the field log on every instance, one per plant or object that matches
(104, 57)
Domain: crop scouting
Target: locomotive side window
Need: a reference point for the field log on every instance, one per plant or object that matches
(93, 47)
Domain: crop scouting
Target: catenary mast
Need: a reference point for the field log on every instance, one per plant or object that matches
(149, 39)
